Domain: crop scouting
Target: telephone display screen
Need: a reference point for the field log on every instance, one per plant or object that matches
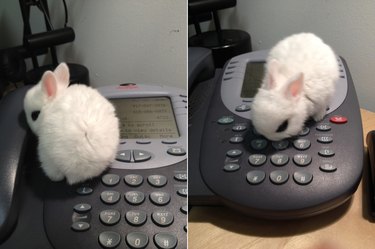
(253, 79)
(146, 118)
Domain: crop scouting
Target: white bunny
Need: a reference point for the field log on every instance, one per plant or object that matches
(77, 127)
(301, 72)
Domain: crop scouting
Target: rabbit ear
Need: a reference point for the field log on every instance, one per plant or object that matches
(62, 75)
(295, 86)
(49, 85)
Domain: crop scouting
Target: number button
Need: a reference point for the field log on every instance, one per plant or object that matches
(279, 177)
(302, 159)
(279, 159)
(257, 159)
(110, 217)
(133, 180)
(280, 145)
(134, 197)
(302, 144)
(110, 179)
(162, 218)
(160, 198)
(110, 197)
(137, 240)
(258, 144)
(136, 218)
(157, 180)
(305, 131)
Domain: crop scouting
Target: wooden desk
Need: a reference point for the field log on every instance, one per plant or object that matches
(346, 227)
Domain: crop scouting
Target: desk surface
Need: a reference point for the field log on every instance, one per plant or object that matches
(345, 227)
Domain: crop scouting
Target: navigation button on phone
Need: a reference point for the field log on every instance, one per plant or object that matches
(141, 155)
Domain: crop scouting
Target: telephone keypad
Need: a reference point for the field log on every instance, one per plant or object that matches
(137, 193)
(260, 153)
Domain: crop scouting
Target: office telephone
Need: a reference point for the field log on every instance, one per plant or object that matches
(139, 202)
(298, 177)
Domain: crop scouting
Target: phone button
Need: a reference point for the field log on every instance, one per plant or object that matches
(82, 208)
(162, 218)
(124, 156)
(165, 240)
(134, 197)
(337, 119)
(141, 155)
(176, 151)
(84, 190)
(110, 179)
(110, 197)
(109, 239)
(133, 180)
(137, 240)
(136, 217)
(157, 180)
(80, 226)
(160, 198)
(110, 217)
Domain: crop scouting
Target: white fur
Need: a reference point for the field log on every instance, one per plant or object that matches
(301, 72)
(77, 128)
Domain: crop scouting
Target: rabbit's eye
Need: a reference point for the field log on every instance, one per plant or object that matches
(35, 115)
(283, 126)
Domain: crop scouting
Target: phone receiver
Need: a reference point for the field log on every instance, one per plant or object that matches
(370, 140)
(200, 66)
(14, 135)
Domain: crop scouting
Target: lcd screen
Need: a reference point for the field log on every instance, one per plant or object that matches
(146, 118)
(253, 79)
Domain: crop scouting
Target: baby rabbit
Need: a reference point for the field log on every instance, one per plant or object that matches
(300, 76)
(77, 128)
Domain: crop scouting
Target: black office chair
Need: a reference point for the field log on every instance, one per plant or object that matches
(224, 43)
(41, 43)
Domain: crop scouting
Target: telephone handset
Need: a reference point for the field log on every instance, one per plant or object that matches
(14, 139)
(297, 177)
(139, 202)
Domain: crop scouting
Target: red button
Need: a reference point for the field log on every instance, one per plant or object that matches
(337, 119)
